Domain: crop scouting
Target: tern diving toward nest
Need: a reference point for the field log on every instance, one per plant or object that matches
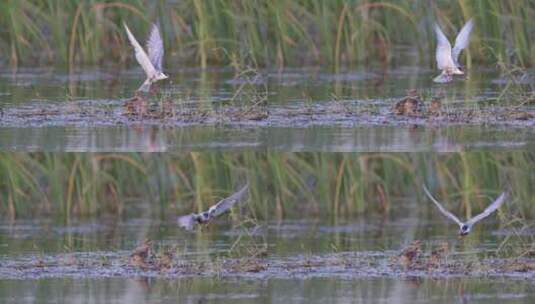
(466, 227)
(151, 62)
(447, 59)
(188, 221)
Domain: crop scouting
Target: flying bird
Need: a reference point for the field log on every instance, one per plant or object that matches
(151, 62)
(466, 227)
(188, 221)
(447, 58)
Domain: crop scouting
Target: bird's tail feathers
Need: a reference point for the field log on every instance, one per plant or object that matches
(186, 221)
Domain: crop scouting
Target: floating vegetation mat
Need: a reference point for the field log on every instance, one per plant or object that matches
(297, 114)
(409, 262)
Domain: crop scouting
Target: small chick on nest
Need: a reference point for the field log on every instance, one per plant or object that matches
(137, 105)
(438, 254)
(407, 257)
(435, 109)
(411, 105)
(139, 256)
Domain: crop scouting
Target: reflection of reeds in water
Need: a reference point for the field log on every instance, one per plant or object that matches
(281, 185)
(269, 32)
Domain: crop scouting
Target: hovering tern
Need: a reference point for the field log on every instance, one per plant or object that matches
(447, 59)
(151, 63)
(466, 227)
(188, 221)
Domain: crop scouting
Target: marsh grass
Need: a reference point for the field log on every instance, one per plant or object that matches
(267, 33)
(518, 89)
(247, 242)
(281, 185)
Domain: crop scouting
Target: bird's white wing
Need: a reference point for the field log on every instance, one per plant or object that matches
(141, 56)
(186, 222)
(444, 211)
(491, 208)
(443, 56)
(155, 47)
(227, 203)
(461, 42)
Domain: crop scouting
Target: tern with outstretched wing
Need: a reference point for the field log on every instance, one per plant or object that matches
(188, 221)
(466, 227)
(151, 62)
(448, 58)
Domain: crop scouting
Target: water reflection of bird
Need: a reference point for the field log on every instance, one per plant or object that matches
(188, 221)
(447, 58)
(151, 62)
(466, 227)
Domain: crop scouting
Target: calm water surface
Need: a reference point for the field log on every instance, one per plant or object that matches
(313, 290)
(291, 238)
(27, 89)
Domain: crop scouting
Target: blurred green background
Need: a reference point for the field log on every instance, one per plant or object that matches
(282, 185)
(274, 33)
